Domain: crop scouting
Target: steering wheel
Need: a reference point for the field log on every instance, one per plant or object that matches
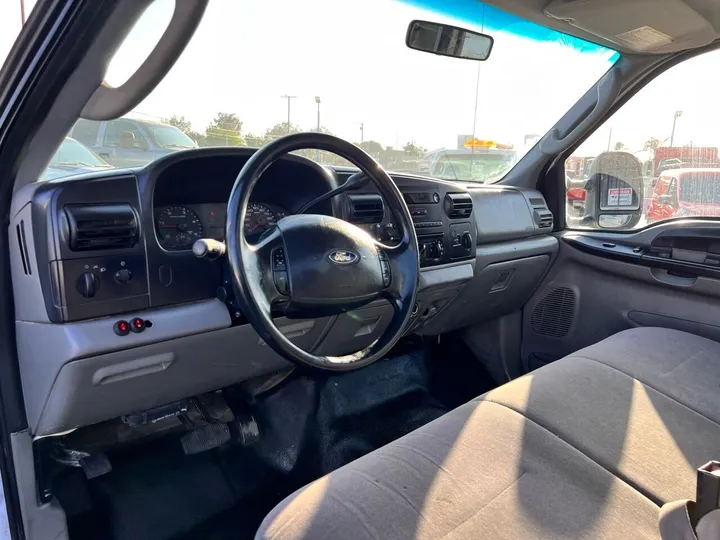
(319, 265)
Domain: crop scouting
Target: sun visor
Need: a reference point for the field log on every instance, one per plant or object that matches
(640, 26)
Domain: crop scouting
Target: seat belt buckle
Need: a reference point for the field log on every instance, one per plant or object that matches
(707, 494)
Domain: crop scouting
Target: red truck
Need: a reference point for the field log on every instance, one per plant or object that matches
(685, 193)
(675, 157)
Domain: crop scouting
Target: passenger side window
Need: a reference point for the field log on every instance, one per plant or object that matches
(656, 158)
(124, 134)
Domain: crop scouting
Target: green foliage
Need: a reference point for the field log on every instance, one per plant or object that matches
(412, 150)
(653, 143)
(184, 125)
(278, 130)
(224, 130)
(373, 148)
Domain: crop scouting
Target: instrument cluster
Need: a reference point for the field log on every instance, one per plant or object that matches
(179, 226)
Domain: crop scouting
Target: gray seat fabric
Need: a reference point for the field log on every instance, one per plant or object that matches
(643, 437)
(682, 366)
(577, 449)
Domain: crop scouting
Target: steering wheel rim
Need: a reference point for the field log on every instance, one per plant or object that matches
(254, 267)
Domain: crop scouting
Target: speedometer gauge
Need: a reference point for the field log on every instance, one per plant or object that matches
(258, 219)
(178, 227)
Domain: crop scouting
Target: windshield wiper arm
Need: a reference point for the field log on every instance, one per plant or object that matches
(72, 164)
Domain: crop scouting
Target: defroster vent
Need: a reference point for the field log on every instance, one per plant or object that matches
(366, 208)
(542, 216)
(553, 315)
(101, 226)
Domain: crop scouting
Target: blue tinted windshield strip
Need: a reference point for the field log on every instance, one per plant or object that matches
(489, 19)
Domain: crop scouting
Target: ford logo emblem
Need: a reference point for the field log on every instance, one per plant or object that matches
(341, 256)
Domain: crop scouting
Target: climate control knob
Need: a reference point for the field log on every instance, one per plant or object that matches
(88, 284)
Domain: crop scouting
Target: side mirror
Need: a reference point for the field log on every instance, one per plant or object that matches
(446, 40)
(615, 190)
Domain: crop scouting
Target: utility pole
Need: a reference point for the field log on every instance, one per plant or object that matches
(288, 100)
(678, 114)
(362, 132)
(22, 12)
(317, 151)
(609, 140)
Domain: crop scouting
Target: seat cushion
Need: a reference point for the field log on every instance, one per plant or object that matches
(481, 471)
(645, 438)
(588, 447)
(682, 366)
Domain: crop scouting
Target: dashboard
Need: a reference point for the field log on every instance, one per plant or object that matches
(114, 309)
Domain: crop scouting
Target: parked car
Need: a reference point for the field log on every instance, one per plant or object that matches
(73, 158)
(685, 192)
(130, 142)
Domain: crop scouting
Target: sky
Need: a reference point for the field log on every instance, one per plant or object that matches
(246, 54)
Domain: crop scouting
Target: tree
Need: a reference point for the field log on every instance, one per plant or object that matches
(413, 150)
(373, 148)
(619, 146)
(278, 130)
(225, 130)
(653, 143)
(255, 141)
(184, 125)
(179, 122)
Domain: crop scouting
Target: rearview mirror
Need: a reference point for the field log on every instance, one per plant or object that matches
(446, 40)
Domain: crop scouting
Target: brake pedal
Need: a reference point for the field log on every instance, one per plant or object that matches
(242, 430)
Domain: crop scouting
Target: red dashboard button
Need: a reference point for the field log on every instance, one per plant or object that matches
(137, 325)
(122, 328)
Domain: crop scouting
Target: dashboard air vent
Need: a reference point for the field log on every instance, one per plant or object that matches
(101, 226)
(458, 205)
(366, 208)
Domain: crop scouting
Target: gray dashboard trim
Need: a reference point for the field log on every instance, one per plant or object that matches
(456, 274)
(44, 348)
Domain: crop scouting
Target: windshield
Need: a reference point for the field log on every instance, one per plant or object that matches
(476, 166)
(701, 188)
(248, 77)
(72, 153)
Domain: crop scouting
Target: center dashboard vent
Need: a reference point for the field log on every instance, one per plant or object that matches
(542, 216)
(458, 205)
(366, 208)
(101, 226)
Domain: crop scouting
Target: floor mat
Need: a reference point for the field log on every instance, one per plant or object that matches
(311, 424)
